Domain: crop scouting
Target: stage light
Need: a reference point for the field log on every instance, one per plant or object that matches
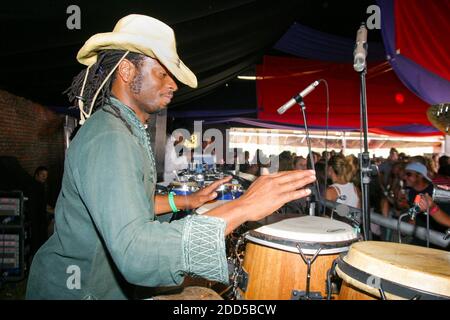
(399, 98)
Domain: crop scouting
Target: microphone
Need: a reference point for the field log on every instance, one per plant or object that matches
(344, 211)
(360, 52)
(441, 195)
(447, 234)
(415, 209)
(298, 97)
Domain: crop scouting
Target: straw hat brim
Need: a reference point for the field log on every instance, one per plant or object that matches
(153, 48)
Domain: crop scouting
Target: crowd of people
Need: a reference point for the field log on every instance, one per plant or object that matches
(392, 191)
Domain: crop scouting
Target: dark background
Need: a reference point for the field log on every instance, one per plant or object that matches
(218, 40)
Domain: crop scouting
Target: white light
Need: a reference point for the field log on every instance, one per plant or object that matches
(338, 134)
(247, 78)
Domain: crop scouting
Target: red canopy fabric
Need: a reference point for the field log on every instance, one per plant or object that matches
(422, 29)
(389, 102)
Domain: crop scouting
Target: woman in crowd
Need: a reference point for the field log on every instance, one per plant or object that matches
(341, 171)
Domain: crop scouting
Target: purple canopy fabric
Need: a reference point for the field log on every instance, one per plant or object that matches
(302, 41)
(430, 87)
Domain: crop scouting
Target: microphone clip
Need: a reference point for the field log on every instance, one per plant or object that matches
(299, 99)
(413, 211)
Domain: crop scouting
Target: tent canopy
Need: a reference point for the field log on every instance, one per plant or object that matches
(220, 40)
(392, 108)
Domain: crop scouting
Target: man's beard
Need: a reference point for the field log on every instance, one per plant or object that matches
(136, 84)
(136, 87)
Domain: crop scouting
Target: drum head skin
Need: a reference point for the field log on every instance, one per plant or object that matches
(423, 269)
(309, 232)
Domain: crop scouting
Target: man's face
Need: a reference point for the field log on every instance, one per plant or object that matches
(152, 87)
(412, 178)
(41, 176)
(301, 164)
(393, 156)
(315, 157)
(330, 171)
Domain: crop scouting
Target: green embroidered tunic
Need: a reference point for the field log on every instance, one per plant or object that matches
(107, 239)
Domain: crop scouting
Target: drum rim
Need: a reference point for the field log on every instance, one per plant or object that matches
(390, 287)
(327, 247)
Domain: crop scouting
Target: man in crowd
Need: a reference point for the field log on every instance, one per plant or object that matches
(418, 182)
(386, 166)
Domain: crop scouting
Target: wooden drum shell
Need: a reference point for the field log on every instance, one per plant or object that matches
(273, 274)
(274, 265)
(402, 271)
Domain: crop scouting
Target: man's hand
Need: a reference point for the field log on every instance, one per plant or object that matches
(265, 195)
(402, 201)
(268, 193)
(204, 195)
(425, 202)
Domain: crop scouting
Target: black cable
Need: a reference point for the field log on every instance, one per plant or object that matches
(308, 142)
(326, 139)
(399, 226)
(360, 158)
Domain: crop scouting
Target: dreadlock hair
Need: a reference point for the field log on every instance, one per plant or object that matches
(106, 61)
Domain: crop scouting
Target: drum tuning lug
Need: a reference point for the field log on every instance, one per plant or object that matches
(307, 295)
(382, 294)
(303, 295)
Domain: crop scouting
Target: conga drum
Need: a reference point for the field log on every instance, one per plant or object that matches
(290, 259)
(386, 270)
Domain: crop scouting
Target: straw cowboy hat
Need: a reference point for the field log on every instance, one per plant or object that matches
(140, 34)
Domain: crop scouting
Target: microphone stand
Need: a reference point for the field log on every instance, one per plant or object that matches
(366, 170)
(315, 193)
(364, 160)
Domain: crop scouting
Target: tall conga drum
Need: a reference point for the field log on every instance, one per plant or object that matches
(290, 259)
(386, 270)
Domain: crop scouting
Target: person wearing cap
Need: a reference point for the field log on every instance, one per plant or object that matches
(418, 182)
(112, 234)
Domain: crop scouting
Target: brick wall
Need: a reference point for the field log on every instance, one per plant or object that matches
(34, 135)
